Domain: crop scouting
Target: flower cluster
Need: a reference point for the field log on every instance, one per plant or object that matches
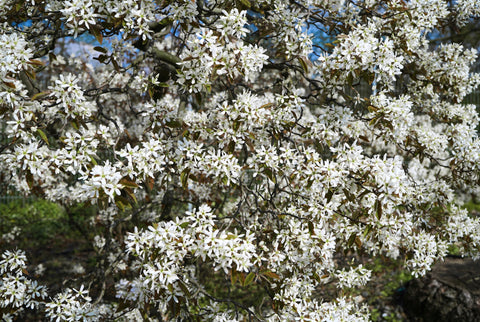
(16, 290)
(103, 180)
(72, 305)
(14, 57)
(69, 99)
(212, 54)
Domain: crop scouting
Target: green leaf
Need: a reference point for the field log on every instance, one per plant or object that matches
(233, 276)
(93, 160)
(266, 106)
(101, 58)
(225, 180)
(36, 62)
(122, 202)
(29, 179)
(249, 279)
(409, 14)
(115, 64)
(350, 197)
(246, 3)
(270, 174)
(43, 136)
(350, 79)
(131, 194)
(378, 209)
(236, 125)
(270, 274)
(10, 85)
(303, 63)
(95, 31)
(311, 228)
(18, 7)
(231, 147)
(120, 205)
(241, 278)
(100, 49)
(128, 183)
(368, 229)
(40, 95)
(184, 177)
(122, 305)
(351, 239)
(388, 124)
(149, 182)
(364, 138)
(329, 195)
(184, 288)
(358, 242)
(173, 124)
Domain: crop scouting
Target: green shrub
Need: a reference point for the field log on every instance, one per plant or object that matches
(38, 220)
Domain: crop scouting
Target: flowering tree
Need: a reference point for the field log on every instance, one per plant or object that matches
(224, 141)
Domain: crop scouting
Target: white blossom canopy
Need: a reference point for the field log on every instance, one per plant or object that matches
(232, 140)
